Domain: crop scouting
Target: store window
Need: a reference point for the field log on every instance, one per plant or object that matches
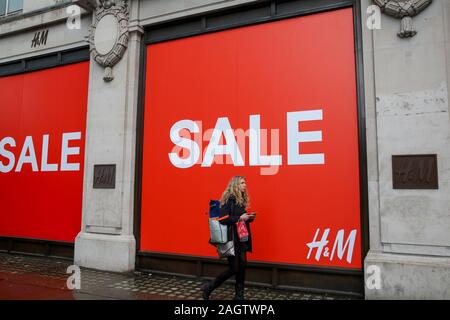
(10, 6)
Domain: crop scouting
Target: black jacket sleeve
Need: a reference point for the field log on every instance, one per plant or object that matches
(227, 216)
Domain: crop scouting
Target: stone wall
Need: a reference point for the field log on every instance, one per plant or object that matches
(407, 102)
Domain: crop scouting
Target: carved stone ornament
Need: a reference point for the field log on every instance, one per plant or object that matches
(108, 36)
(405, 10)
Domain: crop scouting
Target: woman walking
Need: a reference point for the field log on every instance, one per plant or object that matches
(233, 205)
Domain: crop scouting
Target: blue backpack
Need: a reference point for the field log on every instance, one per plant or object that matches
(214, 208)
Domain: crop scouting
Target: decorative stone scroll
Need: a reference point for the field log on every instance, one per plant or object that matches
(405, 10)
(108, 36)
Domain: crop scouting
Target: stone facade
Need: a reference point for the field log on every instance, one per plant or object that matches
(407, 112)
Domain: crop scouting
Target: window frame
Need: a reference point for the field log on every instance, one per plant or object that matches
(7, 12)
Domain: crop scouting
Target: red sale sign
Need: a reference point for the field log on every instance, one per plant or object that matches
(42, 131)
(275, 103)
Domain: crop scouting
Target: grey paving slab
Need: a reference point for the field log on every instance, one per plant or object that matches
(30, 277)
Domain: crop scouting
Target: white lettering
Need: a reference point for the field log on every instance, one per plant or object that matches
(192, 146)
(230, 147)
(7, 154)
(28, 154)
(235, 141)
(28, 147)
(45, 166)
(187, 310)
(295, 137)
(67, 151)
(320, 245)
(256, 159)
(323, 250)
(341, 248)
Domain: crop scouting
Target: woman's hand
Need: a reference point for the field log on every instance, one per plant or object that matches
(246, 217)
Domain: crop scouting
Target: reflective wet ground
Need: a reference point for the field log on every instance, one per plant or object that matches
(41, 278)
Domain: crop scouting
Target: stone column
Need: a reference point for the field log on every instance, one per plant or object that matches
(407, 112)
(106, 240)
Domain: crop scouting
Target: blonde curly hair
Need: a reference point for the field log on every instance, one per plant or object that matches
(242, 198)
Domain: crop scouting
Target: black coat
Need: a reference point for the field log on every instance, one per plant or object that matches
(234, 211)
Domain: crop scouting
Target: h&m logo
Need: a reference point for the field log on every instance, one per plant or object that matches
(340, 245)
(40, 38)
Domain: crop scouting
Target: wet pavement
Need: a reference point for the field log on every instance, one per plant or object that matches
(42, 278)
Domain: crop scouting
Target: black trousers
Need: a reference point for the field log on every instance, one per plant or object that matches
(236, 267)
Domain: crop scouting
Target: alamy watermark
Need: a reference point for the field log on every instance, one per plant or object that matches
(373, 21)
(225, 144)
(74, 18)
(74, 280)
(373, 280)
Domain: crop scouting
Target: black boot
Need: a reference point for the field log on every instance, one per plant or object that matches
(206, 291)
(239, 292)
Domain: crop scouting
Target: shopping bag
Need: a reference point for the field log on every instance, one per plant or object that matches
(226, 250)
(242, 231)
(217, 231)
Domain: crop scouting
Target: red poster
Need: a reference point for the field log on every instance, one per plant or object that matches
(42, 132)
(291, 81)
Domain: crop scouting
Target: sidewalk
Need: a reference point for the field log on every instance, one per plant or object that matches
(41, 278)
